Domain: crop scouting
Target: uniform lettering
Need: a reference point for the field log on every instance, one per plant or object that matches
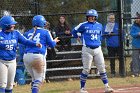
(8, 41)
(93, 31)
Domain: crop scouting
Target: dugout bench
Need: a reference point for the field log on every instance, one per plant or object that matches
(67, 64)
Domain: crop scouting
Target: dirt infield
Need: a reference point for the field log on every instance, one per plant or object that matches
(123, 89)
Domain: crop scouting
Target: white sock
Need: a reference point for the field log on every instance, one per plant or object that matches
(106, 85)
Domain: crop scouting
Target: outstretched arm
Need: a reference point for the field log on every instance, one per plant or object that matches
(23, 40)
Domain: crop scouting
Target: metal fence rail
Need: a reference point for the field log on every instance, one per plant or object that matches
(125, 11)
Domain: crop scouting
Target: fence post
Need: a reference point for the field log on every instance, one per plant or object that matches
(37, 7)
(121, 56)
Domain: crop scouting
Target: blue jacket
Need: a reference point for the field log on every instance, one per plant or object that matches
(90, 32)
(41, 35)
(135, 30)
(21, 52)
(9, 42)
(112, 41)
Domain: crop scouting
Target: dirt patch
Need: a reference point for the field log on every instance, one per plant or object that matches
(120, 89)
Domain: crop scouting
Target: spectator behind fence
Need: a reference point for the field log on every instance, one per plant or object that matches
(135, 33)
(9, 39)
(20, 70)
(91, 32)
(63, 30)
(51, 54)
(112, 42)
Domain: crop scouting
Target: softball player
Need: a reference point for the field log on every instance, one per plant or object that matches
(34, 58)
(91, 35)
(9, 39)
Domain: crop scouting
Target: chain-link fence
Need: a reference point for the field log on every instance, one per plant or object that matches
(130, 17)
(68, 62)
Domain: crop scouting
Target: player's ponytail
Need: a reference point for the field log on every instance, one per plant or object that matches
(35, 28)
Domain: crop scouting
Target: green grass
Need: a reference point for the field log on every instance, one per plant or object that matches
(63, 86)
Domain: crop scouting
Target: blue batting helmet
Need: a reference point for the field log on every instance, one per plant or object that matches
(7, 21)
(92, 12)
(39, 21)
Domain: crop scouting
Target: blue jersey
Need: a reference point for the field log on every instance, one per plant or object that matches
(21, 52)
(135, 30)
(90, 33)
(9, 42)
(42, 36)
(112, 41)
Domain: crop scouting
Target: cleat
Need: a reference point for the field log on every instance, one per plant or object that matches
(109, 90)
(82, 90)
(133, 76)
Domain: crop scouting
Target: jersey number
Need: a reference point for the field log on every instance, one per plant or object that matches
(94, 37)
(9, 47)
(35, 38)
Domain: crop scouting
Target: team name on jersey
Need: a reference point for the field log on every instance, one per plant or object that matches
(13, 41)
(93, 31)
